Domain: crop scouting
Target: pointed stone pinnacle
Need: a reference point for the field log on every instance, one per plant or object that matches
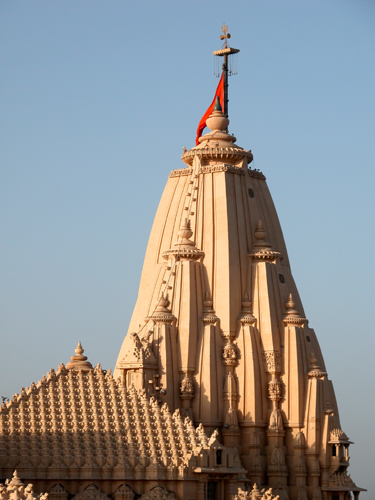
(185, 234)
(290, 306)
(260, 235)
(162, 304)
(314, 362)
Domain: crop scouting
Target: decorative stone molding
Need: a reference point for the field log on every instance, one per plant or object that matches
(187, 386)
(208, 169)
(264, 254)
(16, 490)
(275, 390)
(272, 361)
(255, 494)
(257, 174)
(140, 354)
(158, 493)
(208, 318)
(338, 436)
(231, 153)
(315, 371)
(230, 354)
(58, 492)
(91, 492)
(341, 480)
(248, 319)
(181, 171)
(123, 492)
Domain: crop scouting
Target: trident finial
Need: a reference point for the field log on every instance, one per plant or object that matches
(225, 36)
(225, 52)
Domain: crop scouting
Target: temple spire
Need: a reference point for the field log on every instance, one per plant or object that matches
(227, 66)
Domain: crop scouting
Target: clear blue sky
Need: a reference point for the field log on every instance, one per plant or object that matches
(97, 99)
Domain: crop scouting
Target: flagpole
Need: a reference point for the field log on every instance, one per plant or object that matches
(224, 52)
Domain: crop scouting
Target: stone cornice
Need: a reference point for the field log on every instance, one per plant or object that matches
(233, 153)
(256, 174)
(295, 320)
(265, 254)
(183, 253)
(207, 169)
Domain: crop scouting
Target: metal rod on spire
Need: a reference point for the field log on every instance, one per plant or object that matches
(224, 52)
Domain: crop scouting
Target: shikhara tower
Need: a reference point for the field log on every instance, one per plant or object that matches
(221, 392)
(225, 337)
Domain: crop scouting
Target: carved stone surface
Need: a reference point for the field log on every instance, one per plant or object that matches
(275, 390)
(91, 492)
(230, 354)
(255, 494)
(187, 387)
(272, 361)
(15, 489)
(159, 493)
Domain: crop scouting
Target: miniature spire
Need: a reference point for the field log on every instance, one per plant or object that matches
(79, 362)
(290, 306)
(260, 235)
(185, 233)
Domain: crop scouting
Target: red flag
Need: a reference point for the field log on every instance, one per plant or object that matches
(219, 92)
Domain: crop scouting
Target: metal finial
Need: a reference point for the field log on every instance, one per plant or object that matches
(225, 52)
(225, 36)
(217, 106)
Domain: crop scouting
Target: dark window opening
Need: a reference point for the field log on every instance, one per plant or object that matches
(218, 457)
(308, 338)
(211, 490)
(251, 193)
(281, 278)
(333, 450)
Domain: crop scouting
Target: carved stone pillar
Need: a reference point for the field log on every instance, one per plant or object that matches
(231, 430)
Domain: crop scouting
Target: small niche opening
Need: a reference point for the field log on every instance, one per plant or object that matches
(308, 338)
(251, 193)
(281, 278)
(218, 457)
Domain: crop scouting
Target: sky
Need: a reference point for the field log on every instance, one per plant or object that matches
(97, 100)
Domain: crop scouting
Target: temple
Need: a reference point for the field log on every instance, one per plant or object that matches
(221, 393)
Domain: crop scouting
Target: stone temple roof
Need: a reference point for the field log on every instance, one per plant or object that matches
(87, 419)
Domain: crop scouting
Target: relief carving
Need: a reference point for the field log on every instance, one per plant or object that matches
(272, 361)
(275, 390)
(187, 387)
(158, 493)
